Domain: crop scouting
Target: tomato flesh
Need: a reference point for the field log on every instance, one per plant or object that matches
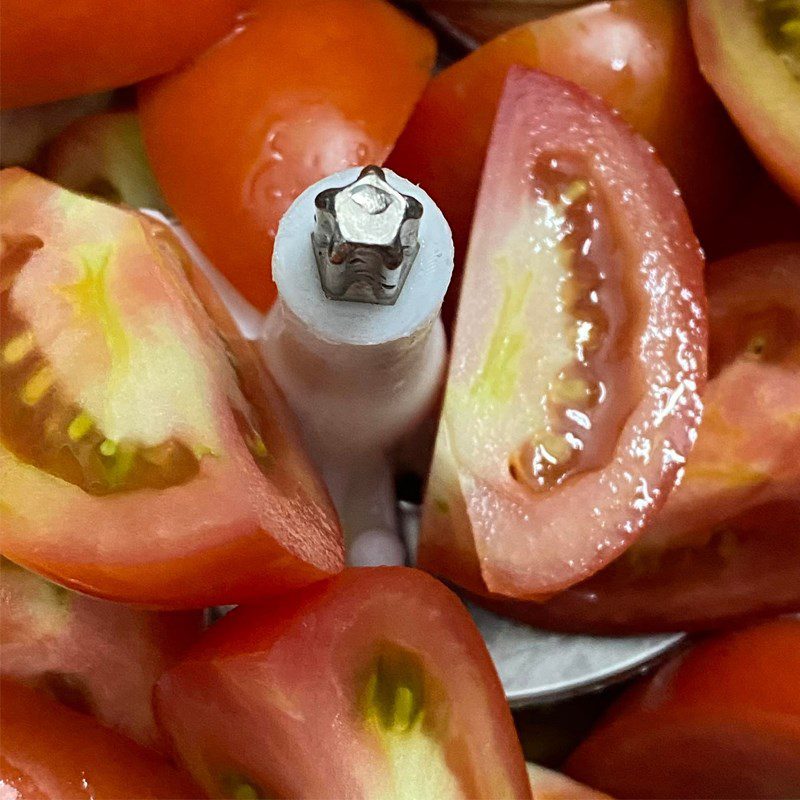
(123, 404)
(578, 355)
(51, 752)
(389, 657)
(722, 720)
(726, 545)
(98, 657)
(748, 50)
(298, 117)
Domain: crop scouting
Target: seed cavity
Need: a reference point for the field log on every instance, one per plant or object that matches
(394, 697)
(239, 787)
(780, 21)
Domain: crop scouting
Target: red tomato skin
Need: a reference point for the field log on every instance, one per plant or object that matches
(92, 45)
(226, 532)
(470, 544)
(635, 54)
(105, 656)
(50, 752)
(722, 720)
(299, 114)
(334, 629)
(726, 546)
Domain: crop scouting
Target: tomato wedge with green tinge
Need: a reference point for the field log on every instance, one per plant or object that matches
(726, 546)
(749, 51)
(374, 684)
(143, 456)
(99, 657)
(579, 352)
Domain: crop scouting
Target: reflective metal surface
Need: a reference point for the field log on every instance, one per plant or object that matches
(537, 666)
(365, 239)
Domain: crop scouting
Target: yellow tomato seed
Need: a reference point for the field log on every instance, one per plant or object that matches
(17, 348)
(38, 386)
(79, 427)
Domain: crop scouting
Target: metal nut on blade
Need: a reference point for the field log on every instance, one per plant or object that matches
(365, 239)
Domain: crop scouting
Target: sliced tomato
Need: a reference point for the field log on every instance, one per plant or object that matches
(50, 752)
(144, 457)
(720, 721)
(375, 683)
(85, 46)
(99, 657)
(727, 544)
(635, 54)
(303, 89)
(549, 785)
(749, 50)
(572, 398)
(103, 155)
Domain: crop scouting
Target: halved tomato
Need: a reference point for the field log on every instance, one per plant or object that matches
(50, 752)
(98, 657)
(749, 50)
(722, 720)
(727, 543)
(301, 90)
(375, 683)
(635, 54)
(103, 155)
(84, 46)
(579, 352)
(144, 457)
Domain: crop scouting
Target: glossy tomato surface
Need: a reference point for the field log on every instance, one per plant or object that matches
(98, 657)
(726, 546)
(80, 46)
(375, 683)
(301, 90)
(749, 50)
(144, 457)
(50, 752)
(635, 54)
(720, 721)
(579, 351)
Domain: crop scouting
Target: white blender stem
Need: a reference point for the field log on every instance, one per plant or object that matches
(362, 358)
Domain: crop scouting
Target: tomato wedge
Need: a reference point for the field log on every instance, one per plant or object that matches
(103, 155)
(301, 90)
(579, 351)
(50, 752)
(98, 657)
(143, 457)
(375, 683)
(749, 50)
(635, 54)
(549, 785)
(88, 45)
(720, 721)
(727, 544)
